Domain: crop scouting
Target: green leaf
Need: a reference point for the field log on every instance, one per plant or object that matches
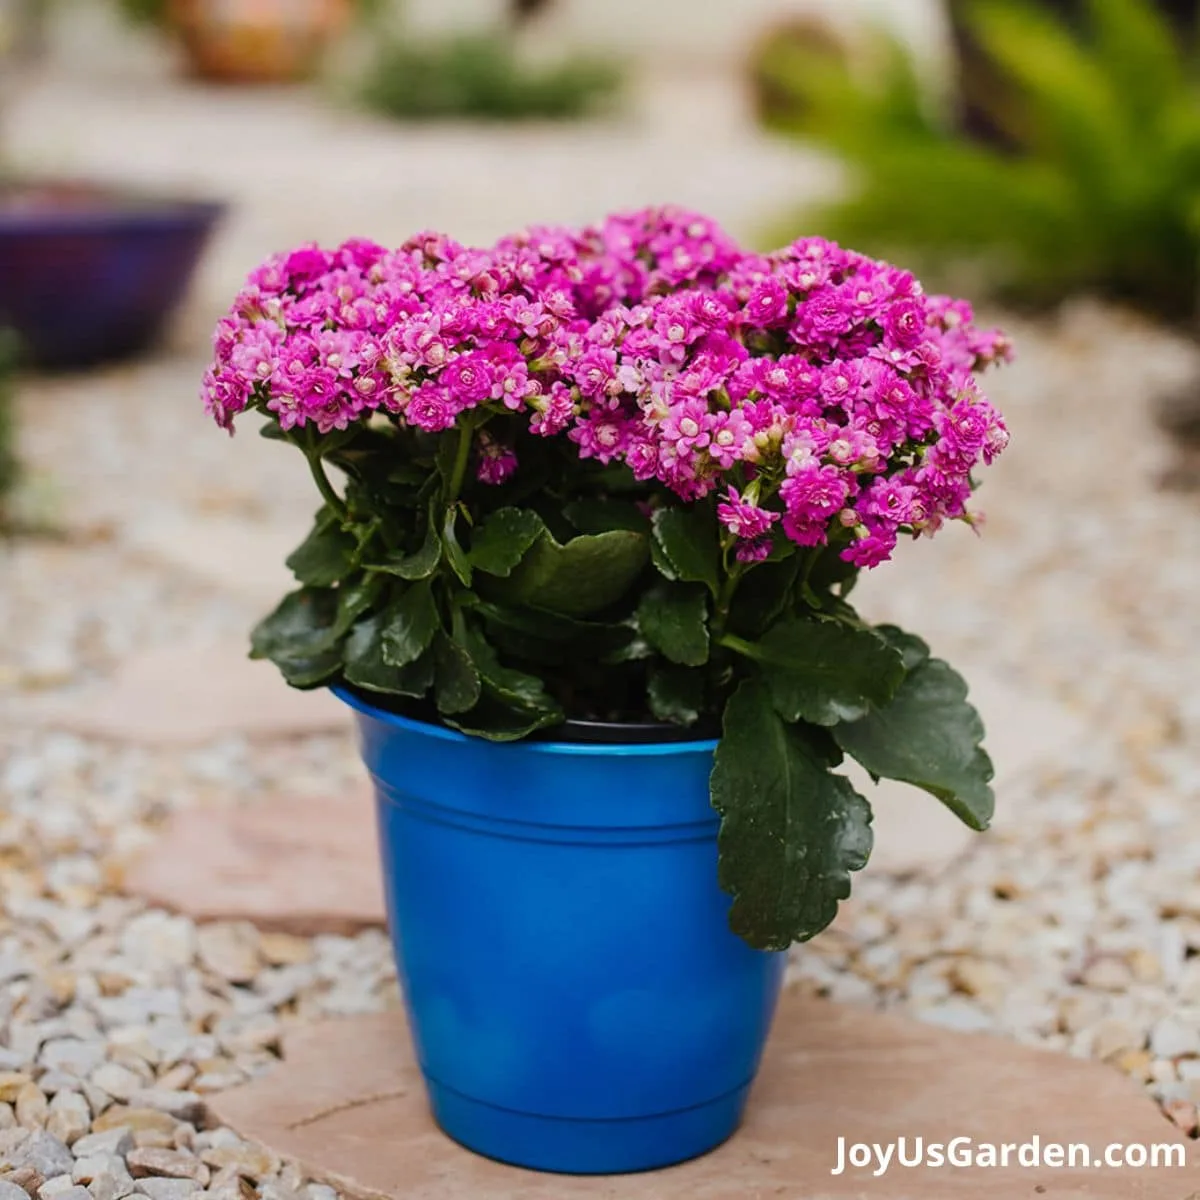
(504, 539)
(911, 648)
(456, 556)
(673, 618)
(676, 694)
(299, 637)
(353, 600)
(764, 594)
(458, 685)
(497, 721)
(928, 736)
(409, 625)
(366, 666)
(510, 686)
(298, 627)
(686, 542)
(824, 671)
(598, 516)
(327, 555)
(583, 576)
(546, 637)
(421, 563)
(791, 830)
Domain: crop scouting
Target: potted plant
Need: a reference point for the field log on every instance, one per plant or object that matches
(128, 256)
(248, 41)
(592, 507)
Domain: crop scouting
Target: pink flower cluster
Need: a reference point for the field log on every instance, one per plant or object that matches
(814, 390)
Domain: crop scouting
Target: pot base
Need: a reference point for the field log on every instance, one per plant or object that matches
(580, 1147)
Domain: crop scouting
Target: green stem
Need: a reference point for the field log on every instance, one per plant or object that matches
(324, 486)
(725, 600)
(462, 457)
(732, 642)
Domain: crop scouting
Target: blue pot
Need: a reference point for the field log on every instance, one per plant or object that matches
(88, 274)
(577, 1001)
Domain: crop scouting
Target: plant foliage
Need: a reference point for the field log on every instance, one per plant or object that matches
(1097, 186)
(482, 78)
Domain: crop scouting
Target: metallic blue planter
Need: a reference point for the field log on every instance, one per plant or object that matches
(577, 1001)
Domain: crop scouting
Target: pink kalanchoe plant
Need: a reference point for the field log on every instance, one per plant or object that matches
(631, 473)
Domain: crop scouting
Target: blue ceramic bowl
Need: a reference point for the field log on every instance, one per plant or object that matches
(89, 274)
(576, 998)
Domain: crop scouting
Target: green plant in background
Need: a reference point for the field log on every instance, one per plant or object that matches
(1097, 187)
(485, 78)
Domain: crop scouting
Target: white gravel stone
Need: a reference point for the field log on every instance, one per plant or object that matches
(57, 1186)
(70, 1117)
(1173, 1038)
(167, 1189)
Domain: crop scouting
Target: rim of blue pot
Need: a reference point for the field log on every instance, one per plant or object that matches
(110, 209)
(532, 745)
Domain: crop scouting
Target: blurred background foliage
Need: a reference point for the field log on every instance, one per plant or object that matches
(483, 77)
(8, 429)
(1067, 159)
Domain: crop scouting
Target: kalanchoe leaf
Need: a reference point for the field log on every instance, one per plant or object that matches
(327, 555)
(685, 541)
(598, 516)
(354, 598)
(928, 736)
(546, 637)
(458, 685)
(409, 625)
(675, 694)
(823, 671)
(673, 618)
(497, 721)
(311, 671)
(580, 577)
(910, 647)
(298, 628)
(791, 830)
(456, 556)
(421, 563)
(511, 687)
(765, 593)
(504, 539)
(366, 666)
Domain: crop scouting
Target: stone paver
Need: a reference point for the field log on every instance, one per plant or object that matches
(296, 864)
(348, 1103)
(189, 694)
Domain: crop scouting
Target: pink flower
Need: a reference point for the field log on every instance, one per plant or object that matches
(743, 519)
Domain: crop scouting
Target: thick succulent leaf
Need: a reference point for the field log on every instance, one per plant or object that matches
(929, 736)
(673, 618)
(686, 545)
(458, 685)
(764, 594)
(580, 577)
(792, 831)
(825, 672)
(355, 598)
(504, 539)
(511, 687)
(456, 556)
(675, 694)
(409, 625)
(497, 721)
(366, 667)
(298, 628)
(421, 563)
(327, 555)
(913, 650)
(541, 636)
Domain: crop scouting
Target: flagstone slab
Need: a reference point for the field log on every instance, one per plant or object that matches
(1027, 733)
(347, 1102)
(303, 865)
(236, 553)
(190, 694)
